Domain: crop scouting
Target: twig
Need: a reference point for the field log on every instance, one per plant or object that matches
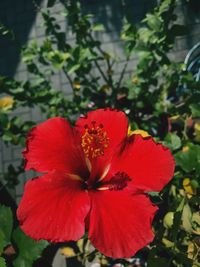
(123, 71)
(109, 80)
(68, 77)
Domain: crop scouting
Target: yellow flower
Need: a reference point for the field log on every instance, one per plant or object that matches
(188, 187)
(196, 223)
(197, 131)
(192, 251)
(167, 242)
(135, 80)
(197, 126)
(68, 252)
(76, 85)
(138, 131)
(174, 118)
(185, 148)
(6, 103)
(105, 88)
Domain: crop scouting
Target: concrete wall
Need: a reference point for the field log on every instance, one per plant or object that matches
(22, 17)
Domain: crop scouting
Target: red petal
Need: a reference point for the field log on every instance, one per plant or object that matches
(120, 223)
(115, 125)
(150, 165)
(54, 145)
(54, 208)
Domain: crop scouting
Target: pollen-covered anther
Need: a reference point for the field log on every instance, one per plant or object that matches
(94, 140)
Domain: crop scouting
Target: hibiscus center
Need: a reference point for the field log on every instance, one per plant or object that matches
(117, 182)
(94, 140)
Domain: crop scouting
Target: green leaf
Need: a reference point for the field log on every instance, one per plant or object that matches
(164, 6)
(17, 90)
(74, 68)
(2, 262)
(6, 223)
(98, 27)
(29, 250)
(168, 220)
(133, 92)
(172, 141)
(145, 35)
(57, 58)
(187, 218)
(7, 137)
(195, 109)
(2, 241)
(189, 160)
(4, 120)
(153, 21)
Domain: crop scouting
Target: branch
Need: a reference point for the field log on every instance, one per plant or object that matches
(123, 71)
(68, 78)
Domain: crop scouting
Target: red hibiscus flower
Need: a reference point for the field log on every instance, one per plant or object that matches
(95, 179)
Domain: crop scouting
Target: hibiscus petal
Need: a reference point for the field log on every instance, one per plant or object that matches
(53, 208)
(150, 165)
(115, 125)
(54, 145)
(120, 223)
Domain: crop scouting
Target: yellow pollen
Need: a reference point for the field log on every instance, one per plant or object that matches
(94, 141)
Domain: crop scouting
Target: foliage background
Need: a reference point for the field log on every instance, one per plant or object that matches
(158, 94)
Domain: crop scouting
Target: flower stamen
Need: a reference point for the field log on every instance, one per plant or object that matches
(74, 177)
(94, 140)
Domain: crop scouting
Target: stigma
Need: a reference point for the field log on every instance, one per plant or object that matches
(117, 182)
